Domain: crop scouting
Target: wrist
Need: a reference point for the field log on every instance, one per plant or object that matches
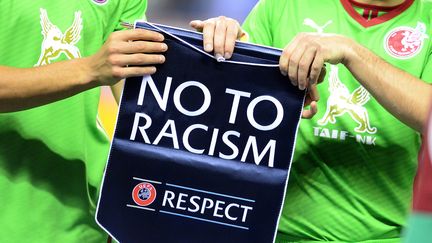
(352, 53)
(87, 76)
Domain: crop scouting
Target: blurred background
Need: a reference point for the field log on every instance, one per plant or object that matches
(176, 13)
(180, 12)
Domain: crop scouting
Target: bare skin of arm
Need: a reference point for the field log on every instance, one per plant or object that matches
(24, 88)
(402, 94)
(220, 35)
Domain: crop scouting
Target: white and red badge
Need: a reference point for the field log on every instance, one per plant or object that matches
(405, 42)
(144, 194)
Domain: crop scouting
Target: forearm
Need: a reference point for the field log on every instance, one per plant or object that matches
(125, 54)
(24, 88)
(403, 95)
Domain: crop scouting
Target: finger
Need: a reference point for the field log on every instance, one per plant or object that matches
(316, 68)
(138, 47)
(311, 112)
(308, 100)
(137, 34)
(231, 37)
(126, 72)
(283, 62)
(197, 24)
(322, 74)
(208, 35)
(136, 59)
(284, 59)
(293, 64)
(305, 63)
(220, 37)
(313, 93)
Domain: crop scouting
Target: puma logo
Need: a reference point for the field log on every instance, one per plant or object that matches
(312, 24)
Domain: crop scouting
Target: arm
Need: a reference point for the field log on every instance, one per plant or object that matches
(220, 35)
(24, 88)
(402, 94)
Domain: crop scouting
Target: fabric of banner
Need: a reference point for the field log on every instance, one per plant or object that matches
(202, 149)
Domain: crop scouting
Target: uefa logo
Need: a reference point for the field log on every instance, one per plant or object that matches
(144, 194)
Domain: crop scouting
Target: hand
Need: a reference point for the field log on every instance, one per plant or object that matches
(136, 48)
(312, 97)
(219, 34)
(302, 60)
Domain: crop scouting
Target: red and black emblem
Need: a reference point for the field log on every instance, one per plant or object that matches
(144, 194)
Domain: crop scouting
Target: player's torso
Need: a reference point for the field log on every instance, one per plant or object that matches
(54, 154)
(354, 160)
(42, 32)
(348, 114)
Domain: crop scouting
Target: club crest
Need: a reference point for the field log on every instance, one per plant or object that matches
(405, 42)
(56, 42)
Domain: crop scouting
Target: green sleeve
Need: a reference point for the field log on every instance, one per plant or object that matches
(133, 10)
(258, 23)
(124, 11)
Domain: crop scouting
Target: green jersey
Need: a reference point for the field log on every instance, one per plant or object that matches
(354, 163)
(52, 157)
